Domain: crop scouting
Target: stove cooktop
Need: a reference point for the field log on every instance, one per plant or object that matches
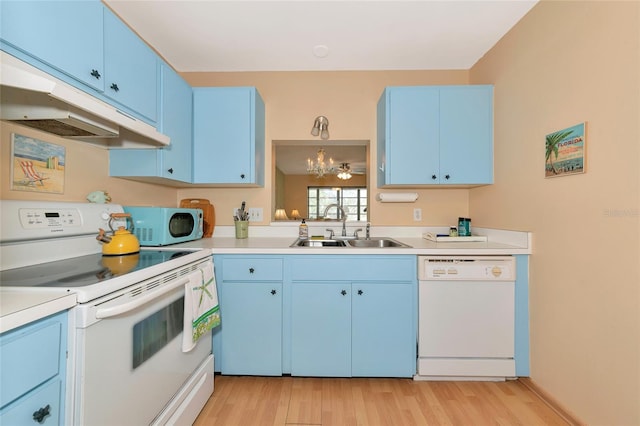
(86, 270)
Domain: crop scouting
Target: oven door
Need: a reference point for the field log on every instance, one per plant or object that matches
(130, 364)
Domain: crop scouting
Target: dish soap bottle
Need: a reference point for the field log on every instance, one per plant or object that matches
(303, 230)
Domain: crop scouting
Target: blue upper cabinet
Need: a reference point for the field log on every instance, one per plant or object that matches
(466, 135)
(65, 35)
(410, 152)
(435, 135)
(172, 162)
(228, 136)
(176, 122)
(131, 69)
(86, 45)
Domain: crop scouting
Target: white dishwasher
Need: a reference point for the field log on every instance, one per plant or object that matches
(466, 326)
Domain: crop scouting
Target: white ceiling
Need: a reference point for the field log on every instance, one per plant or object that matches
(291, 156)
(239, 35)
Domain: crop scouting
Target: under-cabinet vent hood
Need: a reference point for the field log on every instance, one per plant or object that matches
(35, 99)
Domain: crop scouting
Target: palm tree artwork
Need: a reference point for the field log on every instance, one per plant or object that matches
(552, 145)
(565, 151)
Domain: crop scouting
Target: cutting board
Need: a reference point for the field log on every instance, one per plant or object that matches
(208, 213)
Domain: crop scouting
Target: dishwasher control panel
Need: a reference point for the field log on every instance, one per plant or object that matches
(468, 268)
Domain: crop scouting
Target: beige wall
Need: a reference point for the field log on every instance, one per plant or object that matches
(87, 170)
(565, 63)
(348, 99)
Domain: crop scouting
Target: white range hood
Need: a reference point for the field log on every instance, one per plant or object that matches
(33, 98)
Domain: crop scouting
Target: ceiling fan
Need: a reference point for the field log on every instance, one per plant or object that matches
(345, 172)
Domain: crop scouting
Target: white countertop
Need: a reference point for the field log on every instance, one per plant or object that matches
(19, 307)
(267, 241)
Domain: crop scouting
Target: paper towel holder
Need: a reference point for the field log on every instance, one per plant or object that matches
(397, 197)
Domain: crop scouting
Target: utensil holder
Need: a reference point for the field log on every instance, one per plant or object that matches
(242, 229)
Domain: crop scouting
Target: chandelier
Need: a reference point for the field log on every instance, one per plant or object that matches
(319, 167)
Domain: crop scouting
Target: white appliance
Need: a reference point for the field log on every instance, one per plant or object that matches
(126, 363)
(466, 326)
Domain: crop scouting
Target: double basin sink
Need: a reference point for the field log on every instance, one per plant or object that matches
(375, 242)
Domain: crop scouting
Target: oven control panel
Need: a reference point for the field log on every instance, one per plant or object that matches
(43, 218)
(33, 220)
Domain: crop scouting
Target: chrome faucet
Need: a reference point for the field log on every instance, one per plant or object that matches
(344, 217)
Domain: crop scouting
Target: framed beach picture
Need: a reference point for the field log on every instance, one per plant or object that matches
(565, 151)
(36, 165)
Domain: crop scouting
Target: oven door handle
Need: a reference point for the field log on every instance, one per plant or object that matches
(125, 307)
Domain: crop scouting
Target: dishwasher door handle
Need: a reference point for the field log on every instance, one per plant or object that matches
(129, 306)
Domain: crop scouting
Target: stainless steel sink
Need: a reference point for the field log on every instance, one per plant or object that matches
(377, 242)
(318, 243)
(356, 243)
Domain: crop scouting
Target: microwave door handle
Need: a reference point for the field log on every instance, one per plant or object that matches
(125, 307)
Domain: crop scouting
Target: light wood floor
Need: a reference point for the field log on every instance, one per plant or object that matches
(253, 401)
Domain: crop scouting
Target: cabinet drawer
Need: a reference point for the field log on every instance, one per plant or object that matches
(251, 269)
(22, 412)
(354, 268)
(30, 356)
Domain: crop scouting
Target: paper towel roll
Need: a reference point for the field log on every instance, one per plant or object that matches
(397, 197)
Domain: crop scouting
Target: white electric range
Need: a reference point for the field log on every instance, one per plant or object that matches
(126, 364)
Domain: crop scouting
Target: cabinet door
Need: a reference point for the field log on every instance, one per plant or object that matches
(34, 367)
(383, 331)
(228, 136)
(321, 329)
(135, 162)
(171, 162)
(131, 69)
(466, 135)
(30, 357)
(412, 146)
(251, 328)
(47, 398)
(176, 122)
(66, 35)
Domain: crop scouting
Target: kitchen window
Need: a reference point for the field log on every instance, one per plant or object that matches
(352, 199)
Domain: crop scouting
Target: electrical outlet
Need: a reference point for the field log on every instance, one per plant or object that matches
(417, 215)
(255, 214)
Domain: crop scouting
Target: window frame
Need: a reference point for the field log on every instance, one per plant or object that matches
(361, 209)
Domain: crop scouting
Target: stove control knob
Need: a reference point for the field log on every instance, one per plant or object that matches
(105, 215)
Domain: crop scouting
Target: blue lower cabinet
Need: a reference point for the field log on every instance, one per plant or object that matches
(251, 315)
(293, 315)
(249, 340)
(42, 403)
(33, 364)
(383, 341)
(321, 329)
(366, 326)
